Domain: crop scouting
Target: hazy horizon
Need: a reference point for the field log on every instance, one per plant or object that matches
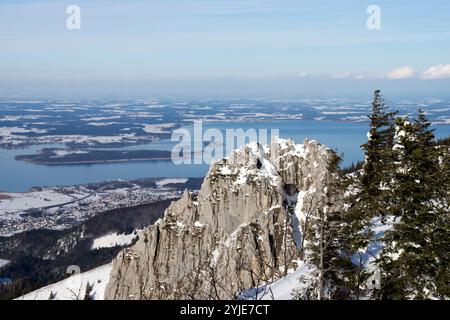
(232, 48)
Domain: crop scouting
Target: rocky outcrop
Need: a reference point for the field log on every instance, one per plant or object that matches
(243, 229)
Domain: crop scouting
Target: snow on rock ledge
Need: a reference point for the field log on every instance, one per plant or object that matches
(242, 230)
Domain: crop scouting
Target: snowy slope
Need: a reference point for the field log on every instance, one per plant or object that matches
(282, 289)
(368, 256)
(74, 287)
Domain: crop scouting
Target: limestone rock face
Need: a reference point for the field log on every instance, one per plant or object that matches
(243, 229)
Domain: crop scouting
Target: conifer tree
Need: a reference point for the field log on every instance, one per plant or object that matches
(378, 149)
(413, 259)
(371, 185)
(441, 234)
(324, 245)
(52, 295)
(369, 192)
(88, 291)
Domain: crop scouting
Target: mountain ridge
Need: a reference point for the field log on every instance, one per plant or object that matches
(243, 229)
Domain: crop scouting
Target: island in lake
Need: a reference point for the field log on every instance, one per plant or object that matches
(53, 156)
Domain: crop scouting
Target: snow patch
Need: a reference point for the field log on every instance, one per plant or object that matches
(74, 287)
(164, 182)
(198, 224)
(113, 240)
(281, 289)
(3, 262)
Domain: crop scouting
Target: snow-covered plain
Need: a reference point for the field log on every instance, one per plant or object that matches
(74, 287)
(8, 131)
(13, 136)
(36, 199)
(65, 152)
(159, 128)
(18, 211)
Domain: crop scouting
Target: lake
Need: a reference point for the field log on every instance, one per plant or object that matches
(19, 176)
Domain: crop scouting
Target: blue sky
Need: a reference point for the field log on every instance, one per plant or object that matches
(224, 47)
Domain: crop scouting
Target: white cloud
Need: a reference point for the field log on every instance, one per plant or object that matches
(354, 76)
(440, 71)
(303, 75)
(342, 75)
(401, 73)
(360, 76)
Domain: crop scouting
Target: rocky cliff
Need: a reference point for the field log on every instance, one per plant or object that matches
(243, 229)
